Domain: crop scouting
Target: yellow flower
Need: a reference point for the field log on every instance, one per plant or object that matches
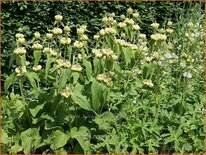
(65, 41)
(76, 68)
(58, 17)
(96, 37)
(84, 37)
(78, 44)
(66, 92)
(136, 27)
(97, 53)
(21, 40)
(169, 30)
(63, 63)
(155, 25)
(20, 51)
(19, 35)
(67, 29)
(37, 68)
(158, 36)
(102, 32)
(37, 35)
(142, 36)
(105, 78)
(49, 35)
(130, 10)
(57, 30)
(129, 21)
(148, 83)
(37, 46)
(20, 70)
(122, 25)
(135, 15)
(169, 23)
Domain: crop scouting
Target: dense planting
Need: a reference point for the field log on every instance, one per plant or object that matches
(123, 91)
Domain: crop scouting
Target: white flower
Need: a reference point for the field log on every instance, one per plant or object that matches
(20, 70)
(57, 30)
(168, 55)
(37, 68)
(58, 17)
(20, 51)
(187, 75)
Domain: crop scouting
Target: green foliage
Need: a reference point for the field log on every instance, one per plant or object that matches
(134, 85)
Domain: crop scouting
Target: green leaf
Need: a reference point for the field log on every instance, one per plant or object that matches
(88, 67)
(64, 77)
(37, 57)
(35, 107)
(9, 81)
(99, 95)
(4, 137)
(30, 77)
(81, 100)
(127, 55)
(59, 139)
(30, 140)
(83, 136)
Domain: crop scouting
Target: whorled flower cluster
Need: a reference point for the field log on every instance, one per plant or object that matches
(106, 53)
(66, 92)
(20, 70)
(105, 78)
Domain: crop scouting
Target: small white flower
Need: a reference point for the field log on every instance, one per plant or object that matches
(67, 29)
(76, 68)
(187, 75)
(168, 55)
